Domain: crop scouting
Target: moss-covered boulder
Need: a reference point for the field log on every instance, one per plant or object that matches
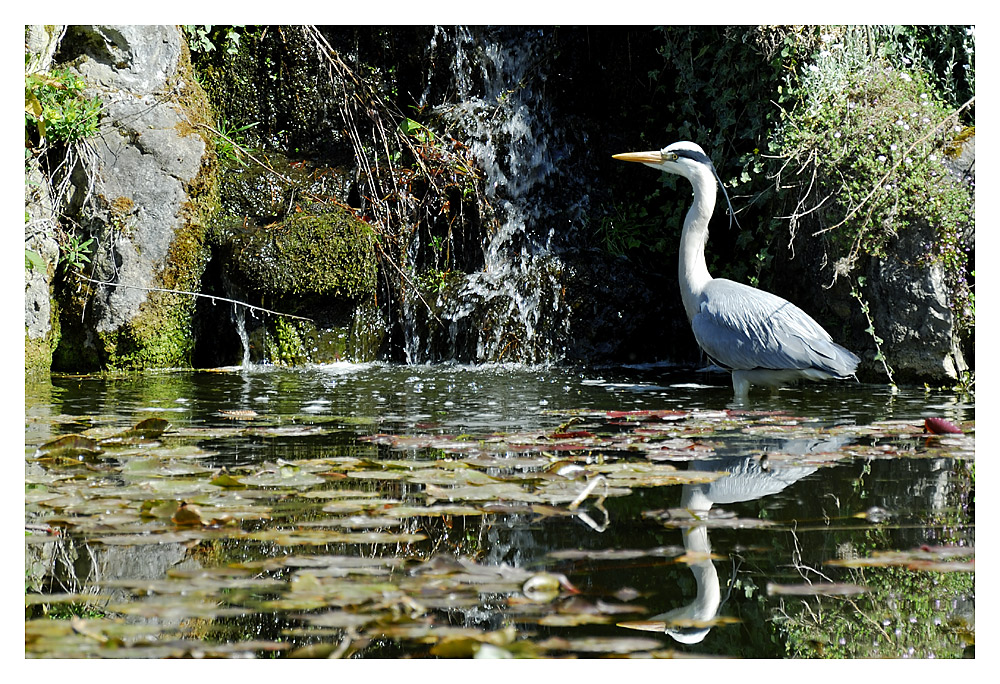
(321, 267)
(328, 255)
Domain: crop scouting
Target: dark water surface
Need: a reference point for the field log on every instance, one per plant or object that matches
(376, 510)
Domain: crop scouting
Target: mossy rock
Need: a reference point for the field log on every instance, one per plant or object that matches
(327, 255)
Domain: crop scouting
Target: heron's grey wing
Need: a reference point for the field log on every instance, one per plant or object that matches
(744, 328)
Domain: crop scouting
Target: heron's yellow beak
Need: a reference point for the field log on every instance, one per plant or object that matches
(653, 157)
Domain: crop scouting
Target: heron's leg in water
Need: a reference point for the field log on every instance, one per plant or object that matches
(741, 384)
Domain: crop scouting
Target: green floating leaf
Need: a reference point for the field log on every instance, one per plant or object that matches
(150, 428)
(69, 445)
(224, 479)
(285, 476)
(319, 537)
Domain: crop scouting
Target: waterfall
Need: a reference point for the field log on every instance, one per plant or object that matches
(494, 99)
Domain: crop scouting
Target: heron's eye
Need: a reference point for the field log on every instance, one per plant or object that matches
(671, 156)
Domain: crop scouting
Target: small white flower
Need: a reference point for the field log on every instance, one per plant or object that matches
(925, 120)
(825, 53)
(813, 68)
(892, 147)
(826, 37)
(881, 157)
(933, 157)
(905, 77)
(837, 134)
(906, 127)
(923, 96)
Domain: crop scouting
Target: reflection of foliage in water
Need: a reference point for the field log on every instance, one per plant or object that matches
(899, 618)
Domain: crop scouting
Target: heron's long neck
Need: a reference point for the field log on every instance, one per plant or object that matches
(692, 270)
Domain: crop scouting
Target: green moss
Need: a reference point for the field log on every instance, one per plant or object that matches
(285, 347)
(330, 255)
(38, 354)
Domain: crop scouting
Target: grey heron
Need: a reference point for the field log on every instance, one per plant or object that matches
(762, 338)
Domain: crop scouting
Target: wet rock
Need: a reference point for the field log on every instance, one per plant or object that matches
(321, 267)
(910, 309)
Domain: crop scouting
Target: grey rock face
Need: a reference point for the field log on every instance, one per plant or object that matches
(134, 190)
(910, 311)
(39, 236)
(137, 59)
(144, 159)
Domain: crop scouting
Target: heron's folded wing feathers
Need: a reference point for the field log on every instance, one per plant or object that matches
(744, 328)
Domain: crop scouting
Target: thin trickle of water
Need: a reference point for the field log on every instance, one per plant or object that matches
(514, 305)
(239, 317)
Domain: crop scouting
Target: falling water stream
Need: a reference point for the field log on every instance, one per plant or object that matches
(495, 99)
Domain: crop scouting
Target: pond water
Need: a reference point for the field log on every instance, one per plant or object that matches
(379, 510)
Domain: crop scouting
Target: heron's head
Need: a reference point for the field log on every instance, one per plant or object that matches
(682, 158)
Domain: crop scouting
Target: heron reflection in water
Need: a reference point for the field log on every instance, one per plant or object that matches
(745, 480)
(762, 338)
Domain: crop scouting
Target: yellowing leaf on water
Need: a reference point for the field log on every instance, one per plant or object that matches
(569, 620)
(664, 625)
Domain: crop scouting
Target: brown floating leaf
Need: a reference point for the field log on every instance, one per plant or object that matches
(188, 515)
(822, 589)
(939, 426)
